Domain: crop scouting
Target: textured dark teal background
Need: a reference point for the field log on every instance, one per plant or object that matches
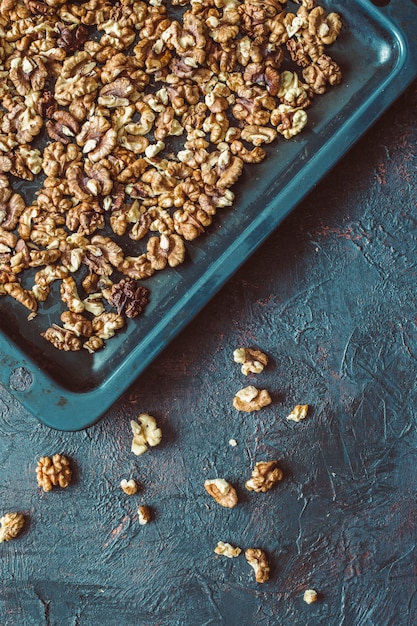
(331, 297)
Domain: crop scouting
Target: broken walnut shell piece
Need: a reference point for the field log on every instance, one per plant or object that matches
(298, 413)
(258, 561)
(264, 476)
(251, 399)
(222, 492)
(252, 361)
(11, 525)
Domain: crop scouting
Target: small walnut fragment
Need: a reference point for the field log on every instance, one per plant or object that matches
(257, 559)
(264, 476)
(145, 434)
(298, 413)
(222, 491)
(225, 549)
(130, 487)
(251, 399)
(144, 515)
(11, 525)
(53, 472)
(252, 361)
(310, 596)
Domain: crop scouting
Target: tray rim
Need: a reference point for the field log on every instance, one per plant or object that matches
(67, 410)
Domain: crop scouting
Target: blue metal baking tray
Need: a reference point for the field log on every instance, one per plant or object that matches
(377, 51)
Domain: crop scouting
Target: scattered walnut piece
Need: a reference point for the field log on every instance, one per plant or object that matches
(264, 476)
(253, 361)
(225, 549)
(298, 413)
(310, 596)
(144, 515)
(130, 487)
(251, 399)
(222, 491)
(11, 525)
(52, 472)
(257, 559)
(145, 433)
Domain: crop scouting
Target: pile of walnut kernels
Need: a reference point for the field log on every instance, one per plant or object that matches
(111, 86)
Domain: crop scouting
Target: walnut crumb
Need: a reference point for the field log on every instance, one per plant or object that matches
(53, 472)
(310, 596)
(298, 413)
(264, 476)
(251, 399)
(144, 515)
(257, 559)
(130, 487)
(222, 492)
(225, 549)
(11, 525)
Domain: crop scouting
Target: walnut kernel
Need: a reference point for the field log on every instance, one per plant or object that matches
(264, 476)
(11, 525)
(144, 515)
(55, 471)
(251, 399)
(252, 361)
(310, 596)
(258, 561)
(130, 487)
(298, 413)
(222, 491)
(225, 549)
(145, 433)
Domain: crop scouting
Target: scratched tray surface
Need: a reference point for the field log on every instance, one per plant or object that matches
(71, 390)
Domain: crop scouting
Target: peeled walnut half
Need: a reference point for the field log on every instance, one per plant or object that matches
(222, 491)
(251, 399)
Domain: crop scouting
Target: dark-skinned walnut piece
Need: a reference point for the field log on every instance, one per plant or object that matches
(128, 297)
